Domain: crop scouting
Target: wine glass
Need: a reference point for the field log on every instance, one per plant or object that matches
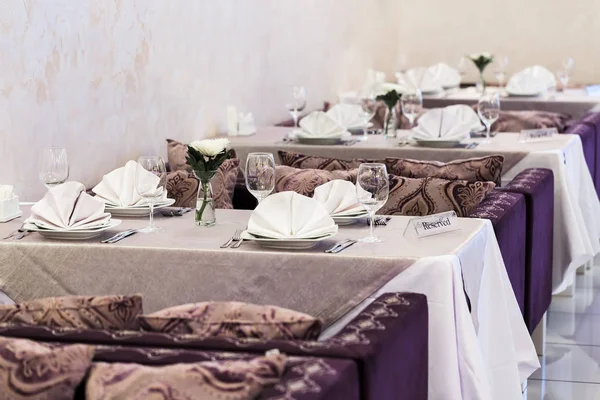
(296, 103)
(54, 166)
(369, 109)
(488, 109)
(564, 74)
(501, 65)
(150, 184)
(461, 66)
(372, 191)
(260, 175)
(402, 63)
(412, 104)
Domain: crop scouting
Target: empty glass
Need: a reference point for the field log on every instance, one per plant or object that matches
(372, 191)
(501, 65)
(461, 66)
(151, 188)
(296, 103)
(565, 72)
(402, 63)
(412, 104)
(369, 109)
(488, 109)
(54, 166)
(260, 175)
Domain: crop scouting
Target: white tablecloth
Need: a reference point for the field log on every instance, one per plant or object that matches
(482, 355)
(574, 102)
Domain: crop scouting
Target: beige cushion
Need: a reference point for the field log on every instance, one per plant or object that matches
(426, 196)
(233, 319)
(210, 380)
(101, 312)
(304, 181)
(41, 371)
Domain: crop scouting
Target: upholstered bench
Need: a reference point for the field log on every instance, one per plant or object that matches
(387, 343)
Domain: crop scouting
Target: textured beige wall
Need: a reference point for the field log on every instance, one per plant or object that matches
(111, 79)
(528, 31)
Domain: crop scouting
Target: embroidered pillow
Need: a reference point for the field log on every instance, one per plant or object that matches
(426, 196)
(180, 188)
(40, 371)
(210, 380)
(304, 181)
(102, 312)
(488, 168)
(313, 162)
(233, 319)
(516, 121)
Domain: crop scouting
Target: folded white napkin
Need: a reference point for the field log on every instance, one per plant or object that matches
(419, 78)
(450, 123)
(319, 125)
(349, 116)
(339, 198)
(117, 188)
(445, 75)
(68, 206)
(246, 126)
(6, 192)
(289, 215)
(531, 81)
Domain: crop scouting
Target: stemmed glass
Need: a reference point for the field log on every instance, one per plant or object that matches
(372, 191)
(296, 104)
(148, 188)
(260, 175)
(369, 109)
(566, 72)
(54, 166)
(412, 104)
(488, 109)
(461, 66)
(500, 70)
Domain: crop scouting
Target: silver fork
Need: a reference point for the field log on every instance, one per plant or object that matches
(236, 236)
(13, 233)
(237, 239)
(24, 232)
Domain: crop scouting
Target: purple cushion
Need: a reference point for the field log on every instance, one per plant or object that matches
(537, 185)
(508, 214)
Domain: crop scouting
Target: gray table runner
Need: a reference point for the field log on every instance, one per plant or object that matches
(185, 264)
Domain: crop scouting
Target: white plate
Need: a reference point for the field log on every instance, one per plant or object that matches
(438, 143)
(287, 244)
(320, 141)
(159, 203)
(75, 234)
(350, 219)
(137, 211)
(523, 94)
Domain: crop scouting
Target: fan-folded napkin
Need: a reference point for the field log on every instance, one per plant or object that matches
(445, 75)
(289, 215)
(349, 116)
(419, 78)
(319, 125)
(339, 198)
(531, 80)
(450, 123)
(68, 206)
(117, 188)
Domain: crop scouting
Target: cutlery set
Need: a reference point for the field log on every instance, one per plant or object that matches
(17, 234)
(235, 241)
(120, 236)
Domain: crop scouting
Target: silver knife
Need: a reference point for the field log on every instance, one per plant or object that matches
(332, 249)
(344, 246)
(119, 236)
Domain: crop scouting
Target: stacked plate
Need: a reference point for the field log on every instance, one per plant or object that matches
(140, 210)
(288, 243)
(86, 232)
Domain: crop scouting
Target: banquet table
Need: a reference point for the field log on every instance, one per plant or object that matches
(575, 102)
(483, 354)
(576, 204)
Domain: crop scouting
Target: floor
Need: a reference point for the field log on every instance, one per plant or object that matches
(571, 367)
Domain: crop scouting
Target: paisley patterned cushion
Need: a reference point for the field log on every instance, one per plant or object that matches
(425, 196)
(304, 181)
(487, 168)
(313, 162)
(31, 370)
(102, 312)
(209, 380)
(223, 184)
(233, 319)
(516, 121)
(183, 188)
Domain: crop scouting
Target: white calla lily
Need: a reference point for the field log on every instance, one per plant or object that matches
(210, 147)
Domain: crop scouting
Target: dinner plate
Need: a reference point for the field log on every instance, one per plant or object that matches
(137, 211)
(522, 94)
(81, 234)
(349, 219)
(144, 205)
(287, 244)
(441, 144)
(320, 141)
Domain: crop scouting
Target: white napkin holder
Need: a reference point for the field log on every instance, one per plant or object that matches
(9, 209)
(246, 126)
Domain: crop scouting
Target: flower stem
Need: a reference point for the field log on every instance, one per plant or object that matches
(204, 201)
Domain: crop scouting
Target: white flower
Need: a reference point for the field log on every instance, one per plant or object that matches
(210, 147)
(476, 56)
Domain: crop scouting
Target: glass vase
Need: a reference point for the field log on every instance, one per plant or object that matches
(391, 123)
(205, 203)
(481, 85)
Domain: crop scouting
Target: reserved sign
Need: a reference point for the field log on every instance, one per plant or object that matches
(537, 135)
(434, 224)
